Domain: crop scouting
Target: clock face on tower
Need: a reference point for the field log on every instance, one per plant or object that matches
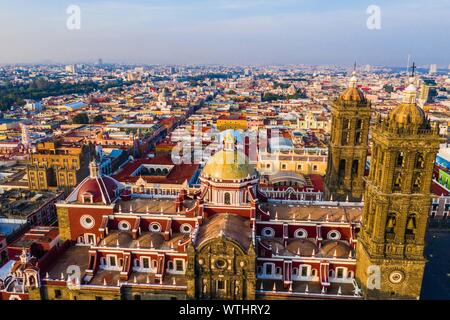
(396, 277)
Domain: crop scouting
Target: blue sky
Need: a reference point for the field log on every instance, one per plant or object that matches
(250, 32)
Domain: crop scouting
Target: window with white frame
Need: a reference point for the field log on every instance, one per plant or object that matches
(334, 235)
(179, 265)
(341, 272)
(155, 227)
(89, 238)
(124, 225)
(87, 197)
(185, 228)
(268, 268)
(87, 221)
(112, 261)
(304, 271)
(145, 263)
(267, 232)
(301, 233)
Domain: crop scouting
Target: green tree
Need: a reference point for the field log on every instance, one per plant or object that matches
(81, 118)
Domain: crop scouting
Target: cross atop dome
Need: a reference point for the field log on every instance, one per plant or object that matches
(410, 93)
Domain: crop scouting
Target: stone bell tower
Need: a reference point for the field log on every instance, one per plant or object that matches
(390, 260)
(347, 151)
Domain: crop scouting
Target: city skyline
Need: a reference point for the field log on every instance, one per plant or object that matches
(228, 32)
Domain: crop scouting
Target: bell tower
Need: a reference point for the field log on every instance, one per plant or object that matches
(347, 151)
(390, 260)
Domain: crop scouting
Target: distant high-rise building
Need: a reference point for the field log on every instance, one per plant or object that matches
(433, 68)
(427, 91)
(100, 61)
(71, 68)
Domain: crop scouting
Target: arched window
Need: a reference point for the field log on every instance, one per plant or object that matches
(227, 198)
(400, 159)
(419, 161)
(390, 223)
(341, 173)
(355, 166)
(397, 181)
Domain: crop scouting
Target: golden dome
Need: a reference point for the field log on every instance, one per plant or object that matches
(352, 94)
(229, 165)
(406, 114)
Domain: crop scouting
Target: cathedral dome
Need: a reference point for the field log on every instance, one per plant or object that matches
(229, 164)
(408, 113)
(352, 93)
(102, 189)
(95, 188)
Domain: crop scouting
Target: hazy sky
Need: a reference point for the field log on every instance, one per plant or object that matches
(226, 32)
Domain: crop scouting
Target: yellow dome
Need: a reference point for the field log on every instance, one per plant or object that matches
(406, 114)
(229, 165)
(352, 94)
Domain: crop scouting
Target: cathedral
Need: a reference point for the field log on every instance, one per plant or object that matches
(230, 240)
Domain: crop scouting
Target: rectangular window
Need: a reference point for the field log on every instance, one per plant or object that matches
(304, 271)
(268, 269)
(145, 263)
(112, 261)
(179, 265)
(57, 294)
(340, 273)
(220, 285)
